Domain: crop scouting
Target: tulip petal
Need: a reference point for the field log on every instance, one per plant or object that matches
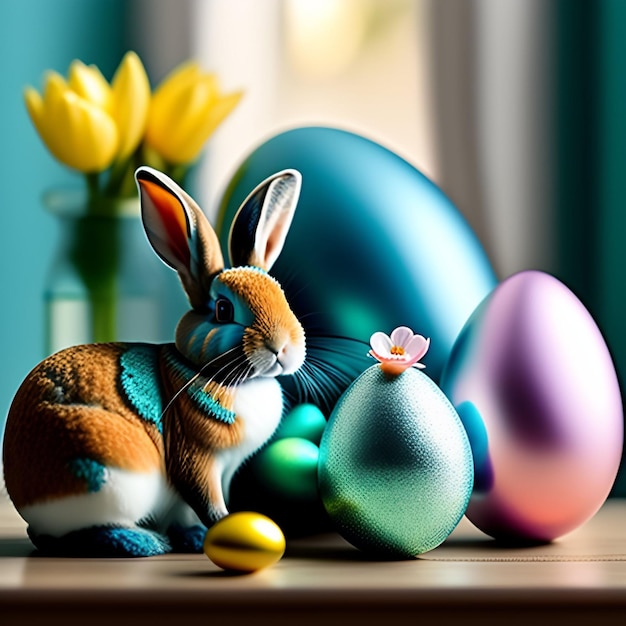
(82, 135)
(98, 146)
(55, 90)
(166, 97)
(52, 127)
(36, 110)
(131, 101)
(175, 105)
(72, 120)
(34, 105)
(182, 76)
(89, 84)
(206, 125)
(220, 110)
(185, 138)
(185, 110)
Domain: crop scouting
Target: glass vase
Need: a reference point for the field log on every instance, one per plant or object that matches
(104, 282)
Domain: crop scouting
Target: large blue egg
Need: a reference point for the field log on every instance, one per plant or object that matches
(374, 245)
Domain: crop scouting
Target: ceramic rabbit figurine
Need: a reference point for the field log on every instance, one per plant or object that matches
(129, 449)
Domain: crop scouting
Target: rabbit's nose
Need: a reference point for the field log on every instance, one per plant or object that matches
(274, 347)
(291, 357)
(279, 350)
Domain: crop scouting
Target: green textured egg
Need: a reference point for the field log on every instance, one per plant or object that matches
(288, 467)
(395, 466)
(304, 420)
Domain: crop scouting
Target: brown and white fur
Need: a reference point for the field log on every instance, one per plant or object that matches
(129, 449)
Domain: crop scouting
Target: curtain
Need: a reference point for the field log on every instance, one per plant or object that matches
(531, 103)
(591, 164)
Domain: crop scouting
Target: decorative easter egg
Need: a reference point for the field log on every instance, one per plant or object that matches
(395, 471)
(244, 542)
(289, 467)
(304, 420)
(373, 244)
(534, 384)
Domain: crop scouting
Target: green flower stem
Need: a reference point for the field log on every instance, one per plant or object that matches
(177, 171)
(104, 324)
(93, 184)
(95, 253)
(121, 182)
(96, 241)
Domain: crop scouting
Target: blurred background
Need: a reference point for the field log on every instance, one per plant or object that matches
(516, 108)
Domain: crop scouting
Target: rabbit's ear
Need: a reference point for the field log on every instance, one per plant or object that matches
(179, 233)
(260, 226)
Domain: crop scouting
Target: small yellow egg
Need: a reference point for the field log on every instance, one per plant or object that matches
(244, 542)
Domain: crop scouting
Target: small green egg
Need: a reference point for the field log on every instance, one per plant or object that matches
(304, 420)
(289, 468)
(244, 542)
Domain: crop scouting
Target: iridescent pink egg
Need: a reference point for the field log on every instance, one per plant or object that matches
(535, 386)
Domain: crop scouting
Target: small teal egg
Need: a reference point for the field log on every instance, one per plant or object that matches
(288, 467)
(395, 470)
(373, 244)
(305, 421)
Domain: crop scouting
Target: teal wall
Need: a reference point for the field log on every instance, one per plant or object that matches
(36, 35)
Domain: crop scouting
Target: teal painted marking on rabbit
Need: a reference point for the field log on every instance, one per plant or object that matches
(92, 472)
(129, 449)
(212, 407)
(202, 400)
(141, 382)
(104, 541)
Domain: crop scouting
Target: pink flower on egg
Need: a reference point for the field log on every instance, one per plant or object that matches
(401, 350)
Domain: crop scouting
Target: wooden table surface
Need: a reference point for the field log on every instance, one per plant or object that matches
(323, 580)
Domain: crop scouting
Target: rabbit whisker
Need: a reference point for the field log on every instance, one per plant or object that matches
(225, 374)
(324, 372)
(244, 374)
(241, 371)
(290, 278)
(219, 394)
(192, 380)
(305, 316)
(322, 381)
(332, 375)
(308, 385)
(225, 370)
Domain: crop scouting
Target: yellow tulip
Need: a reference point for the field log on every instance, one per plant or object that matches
(87, 123)
(92, 125)
(130, 103)
(77, 132)
(185, 110)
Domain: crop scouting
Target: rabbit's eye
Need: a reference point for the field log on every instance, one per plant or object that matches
(224, 311)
